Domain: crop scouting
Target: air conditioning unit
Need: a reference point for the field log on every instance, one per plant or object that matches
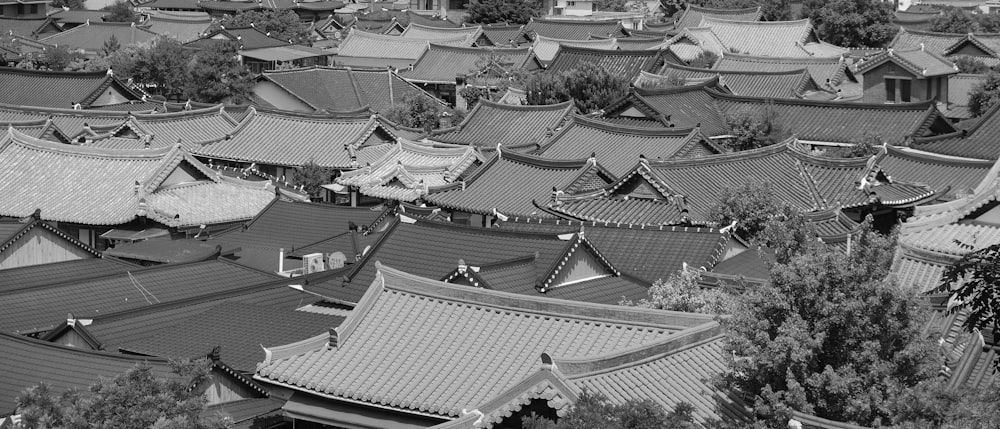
(312, 263)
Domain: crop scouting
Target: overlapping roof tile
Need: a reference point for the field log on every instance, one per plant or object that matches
(693, 14)
(406, 170)
(573, 30)
(823, 69)
(161, 130)
(71, 122)
(780, 84)
(959, 176)
(403, 314)
(545, 48)
(245, 37)
(920, 62)
(424, 32)
(359, 44)
(441, 64)
(623, 63)
(637, 43)
(28, 27)
(980, 141)
(763, 38)
(58, 272)
(343, 89)
(618, 148)
(90, 37)
(931, 41)
(504, 35)
(490, 124)
(684, 107)
(56, 89)
(185, 26)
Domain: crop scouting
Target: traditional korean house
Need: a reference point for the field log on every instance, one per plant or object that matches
(36, 275)
(273, 58)
(690, 106)
(160, 130)
(693, 15)
(34, 241)
(90, 37)
(507, 36)
(362, 49)
(307, 11)
(126, 189)
(545, 48)
(247, 38)
(62, 89)
(829, 73)
(417, 31)
(70, 122)
(525, 329)
(185, 26)
(623, 63)
(514, 126)
(332, 89)
(781, 84)
(30, 28)
(445, 70)
(977, 141)
(902, 76)
(572, 29)
(982, 47)
(770, 38)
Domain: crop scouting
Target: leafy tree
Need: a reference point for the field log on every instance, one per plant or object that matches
(216, 75)
(669, 80)
(280, 24)
(57, 58)
(865, 146)
(472, 94)
(973, 280)
(612, 5)
(681, 292)
(589, 85)
(311, 177)
(111, 45)
(161, 66)
(754, 128)
(495, 72)
(594, 411)
(968, 64)
(752, 206)
(417, 110)
(72, 4)
(706, 59)
(985, 94)
(954, 20)
(831, 335)
(136, 398)
(931, 404)
(855, 23)
(120, 11)
(509, 11)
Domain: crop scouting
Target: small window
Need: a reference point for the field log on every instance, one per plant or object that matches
(20, 9)
(890, 90)
(34, 9)
(904, 90)
(571, 3)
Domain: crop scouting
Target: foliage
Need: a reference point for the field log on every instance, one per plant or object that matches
(706, 59)
(111, 45)
(752, 206)
(593, 411)
(968, 64)
(472, 94)
(985, 94)
(972, 280)
(754, 128)
(216, 75)
(279, 24)
(853, 23)
(509, 11)
(865, 146)
(120, 11)
(832, 335)
(681, 292)
(669, 80)
(135, 398)
(417, 110)
(494, 71)
(311, 177)
(931, 404)
(954, 20)
(589, 85)
(611, 5)
(162, 67)
(72, 4)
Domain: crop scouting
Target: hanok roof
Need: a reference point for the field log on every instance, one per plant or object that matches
(12, 231)
(235, 6)
(764, 38)
(36, 309)
(166, 185)
(408, 169)
(637, 43)
(504, 35)
(76, 17)
(161, 130)
(30, 362)
(285, 53)
(71, 122)
(246, 37)
(423, 32)
(185, 26)
(359, 44)
(410, 316)
(294, 139)
(979, 141)
(618, 148)
(623, 63)
(28, 27)
(691, 43)
(545, 48)
(509, 182)
(441, 64)
(44, 129)
(988, 45)
(921, 63)
(56, 89)
(58, 272)
(573, 30)
(490, 124)
(343, 89)
(693, 14)
(779, 84)
(959, 176)
(683, 107)
(832, 70)
(90, 37)
(931, 41)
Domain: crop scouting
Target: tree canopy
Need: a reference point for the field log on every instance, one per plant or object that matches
(985, 94)
(753, 128)
(120, 11)
(957, 21)
(972, 281)
(594, 411)
(509, 11)
(419, 110)
(216, 75)
(852, 23)
(589, 85)
(311, 177)
(280, 24)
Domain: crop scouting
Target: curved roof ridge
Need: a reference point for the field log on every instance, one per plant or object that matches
(624, 129)
(470, 29)
(66, 111)
(203, 111)
(540, 162)
(25, 140)
(77, 74)
(940, 34)
(579, 23)
(469, 49)
(25, 122)
(739, 72)
(526, 107)
(352, 115)
(698, 87)
(454, 151)
(606, 52)
(789, 23)
(384, 37)
(918, 105)
(727, 10)
(763, 152)
(607, 41)
(825, 161)
(932, 157)
(739, 56)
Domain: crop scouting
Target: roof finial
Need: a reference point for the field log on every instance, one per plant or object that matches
(110, 72)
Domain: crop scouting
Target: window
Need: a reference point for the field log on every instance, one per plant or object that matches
(890, 90)
(904, 90)
(34, 9)
(571, 3)
(20, 9)
(898, 90)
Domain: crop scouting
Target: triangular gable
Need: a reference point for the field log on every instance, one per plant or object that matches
(971, 45)
(35, 226)
(178, 166)
(581, 261)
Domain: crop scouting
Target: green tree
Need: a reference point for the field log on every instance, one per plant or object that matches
(110, 46)
(985, 94)
(509, 11)
(972, 281)
(682, 292)
(954, 20)
(968, 64)
(852, 23)
(752, 206)
(280, 24)
(120, 11)
(611, 5)
(161, 66)
(136, 398)
(865, 146)
(58, 58)
(589, 85)
(417, 110)
(754, 128)
(932, 404)
(832, 335)
(546, 88)
(72, 4)
(594, 411)
(669, 80)
(216, 75)
(311, 177)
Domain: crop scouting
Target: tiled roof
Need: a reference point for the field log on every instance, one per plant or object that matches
(360, 44)
(959, 176)
(637, 43)
(329, 141)
(28, 362)
(490, 124)
(831, 224)
(618, 148)
(509, 182)
(505, 35)
(960, 85)
(633, 211)
(123, 185)
(28, 27)
(78, 16)
(238, 328)
(780, 84)
(545, 48)
(55, 89)
(693, 14)
(235, 6)
(36, 309)
(423, 32)
(763, 38)
(246, 37)
(244, 412)
(931, 41)
(286, 53)
(185, 26)
(408, 323)
(406, 170)
(440, 64)
(71, 122)
(690, 43)
(920, 62)
(953, 239)
(573, 30)
(750, 263)
(12, 231)
(988, 43)
(683, 107)
(43, 274)
(90, 37)
(622, 63)
(161, 130)
(45, 129)
(343, 89)
(979, 141)
(832, 69)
